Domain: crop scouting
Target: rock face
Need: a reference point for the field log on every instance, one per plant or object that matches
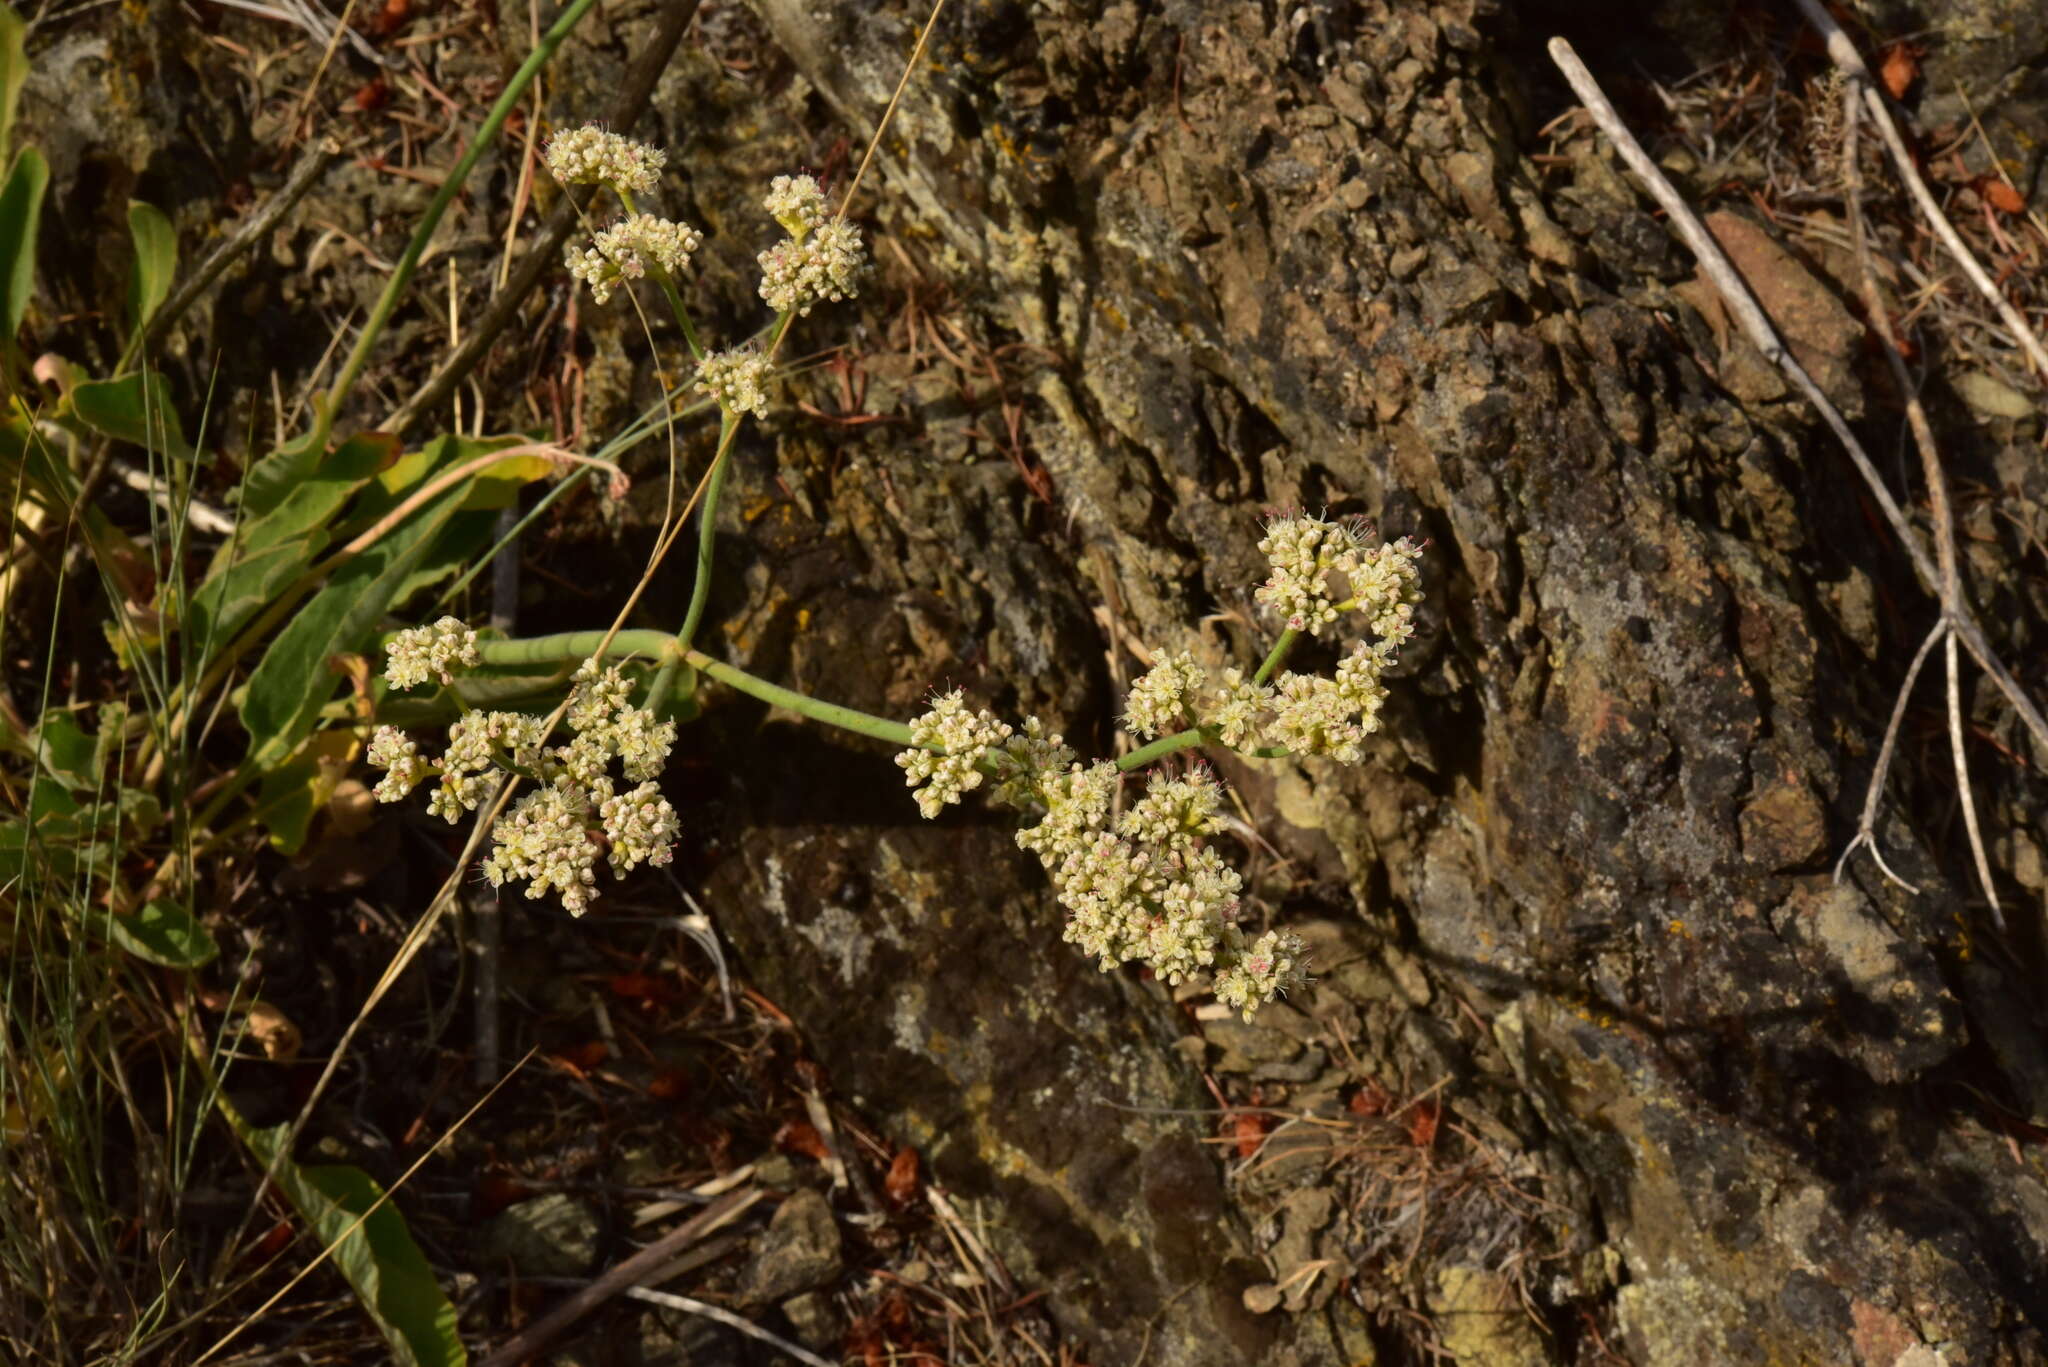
(1302, 257)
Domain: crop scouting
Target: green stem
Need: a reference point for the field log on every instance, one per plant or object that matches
(659, 645)
(1276, 655)
(569, 647)
(1164, 746)
(451, 185)
(675, 305)
(663, 685)
(832, 714)
(707, 531)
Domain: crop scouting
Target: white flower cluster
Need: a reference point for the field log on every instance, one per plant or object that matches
(1144, 884)
(947, 746)
(431, 652)
(737, 378)
(797, 203)
(591, 156)
(624, 251)
(1305, 552)
(554, 834)
(1141, 886)
(1158, 702)
(821, 259)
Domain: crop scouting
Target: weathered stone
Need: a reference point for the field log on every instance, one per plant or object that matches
(798, 1252)
(1483, 1322)
(549, 1236)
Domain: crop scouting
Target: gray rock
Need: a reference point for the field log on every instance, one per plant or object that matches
(549, 1236)
(798, 1252)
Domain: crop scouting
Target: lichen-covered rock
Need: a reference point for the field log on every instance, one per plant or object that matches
(1305, 258)
(798, 1253)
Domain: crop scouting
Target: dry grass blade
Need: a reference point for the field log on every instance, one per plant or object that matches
(1842, 52)
(670, 1301)
(1939, 509)
(1743, 307)
(642, 1266)
(430, 1150)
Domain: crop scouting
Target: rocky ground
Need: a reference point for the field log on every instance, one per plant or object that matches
(1601, 1064)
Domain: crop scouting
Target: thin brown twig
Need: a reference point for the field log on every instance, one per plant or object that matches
(1866, 827)
(668, 1300)
(630, 1273)
(304, 176)
(1743, 307)
(1877, 318)
(1842, 51)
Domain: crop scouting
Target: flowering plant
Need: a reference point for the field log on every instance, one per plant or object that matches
(1139, 873)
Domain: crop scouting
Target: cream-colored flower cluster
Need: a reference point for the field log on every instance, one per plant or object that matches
(622, 253)
(628, 249)
(1303, 714)
(1142, 882)
(553, 835)
(821, 259)
(737, 378)
(591, 155)
(431, 652)
(1144, 885)
(1159, 701)
(1311, 557)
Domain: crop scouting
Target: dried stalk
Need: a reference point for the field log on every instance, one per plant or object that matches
(1742, 305)
(1843, 53)
(1878, 320)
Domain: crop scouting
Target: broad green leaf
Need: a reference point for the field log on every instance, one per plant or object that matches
(67, 753)
(296, 789)
(21, 208)
(134, 408)
(321, 492)
(156, 262)
(493, 487)
(165, 933)
(238, 589)
(271, 479)
(467, 535)
(13, 72)
(274, 548)
(293, 680)
(382, 1263)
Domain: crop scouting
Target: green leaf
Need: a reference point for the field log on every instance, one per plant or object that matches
(273, 478)
(134, 408)
(67, 753)
(389, 1273)
(165, 933)
(293, 680)
(320, 491)
(466, 536)
(493, 487)
(13, 71)
(21, 208)
(156, 262)
(294, 791)
(238, 589)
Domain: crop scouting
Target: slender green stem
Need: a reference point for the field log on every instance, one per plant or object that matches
(451, 185)
(571, 646)
(562, 487)
(675, 306)
(832, 714)
(1276, 655)
(663, 685)
(1164, 746)
(659, 645)
(707, 531)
